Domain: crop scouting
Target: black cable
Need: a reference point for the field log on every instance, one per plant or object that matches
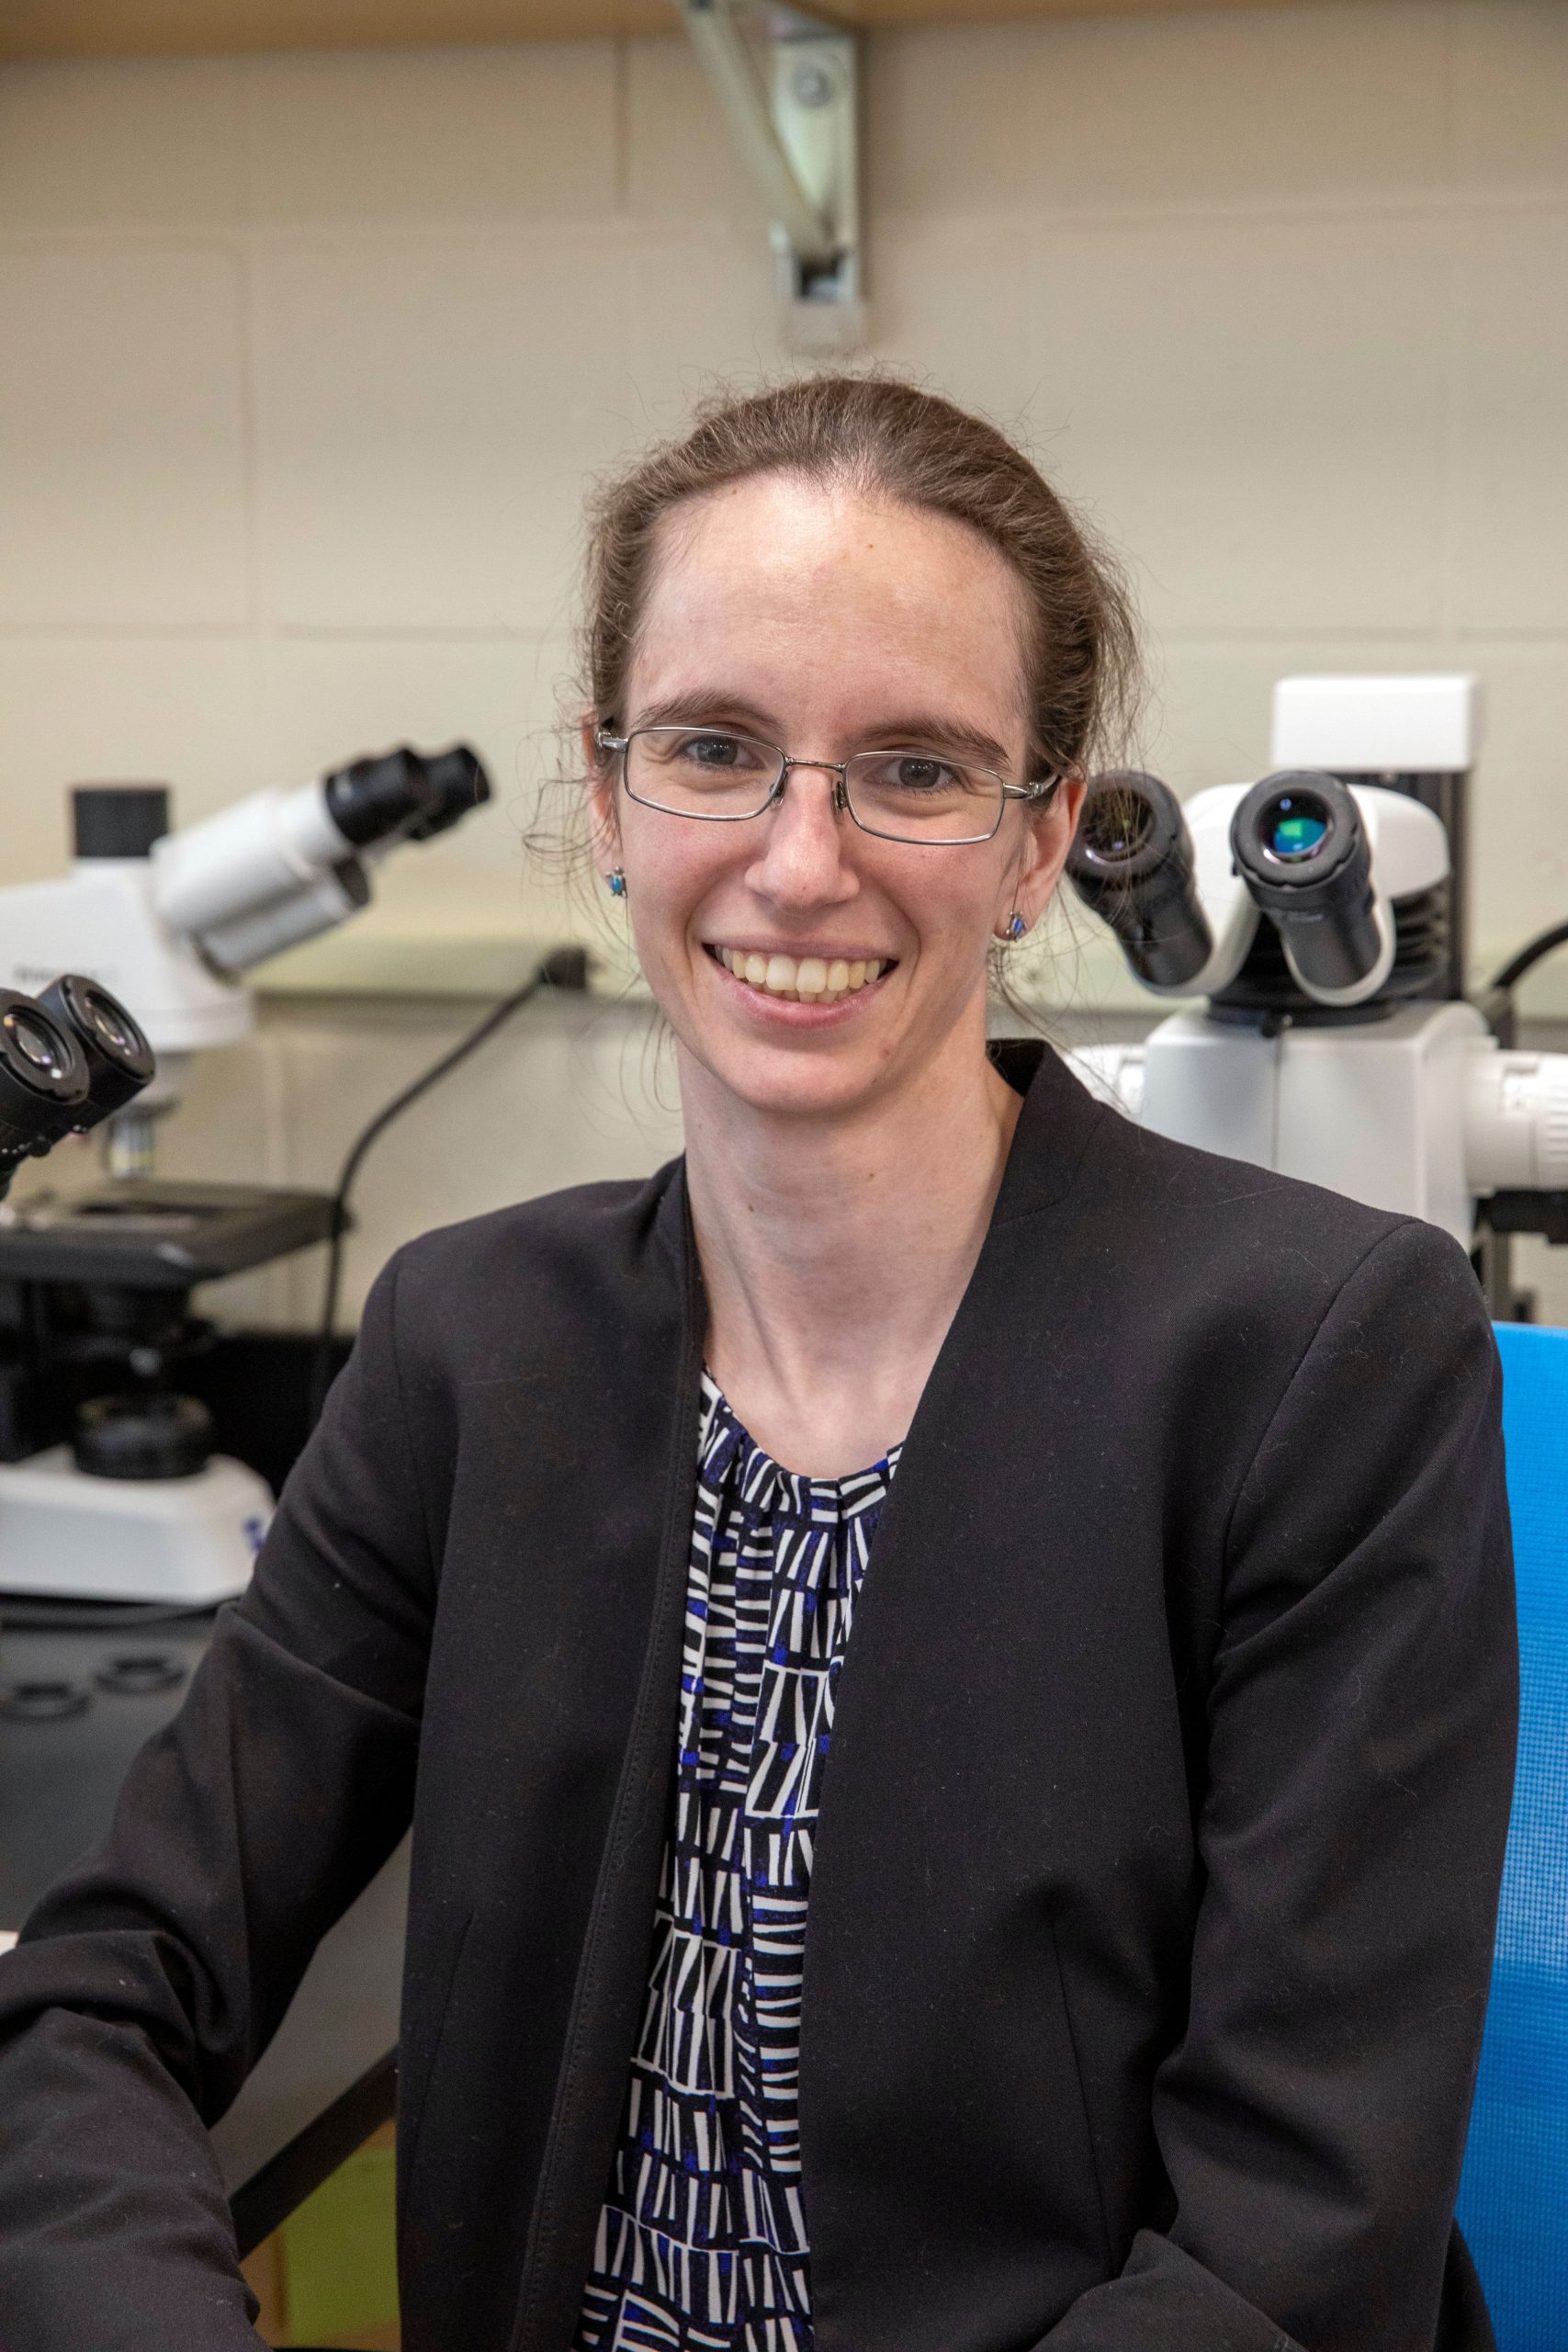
(1530, 955)
(563, 967)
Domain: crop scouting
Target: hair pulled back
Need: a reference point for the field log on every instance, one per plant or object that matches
(889, 440)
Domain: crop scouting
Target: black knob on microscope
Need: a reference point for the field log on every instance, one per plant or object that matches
(156, 1436)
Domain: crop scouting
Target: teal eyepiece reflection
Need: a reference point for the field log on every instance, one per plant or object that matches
(1295, 826)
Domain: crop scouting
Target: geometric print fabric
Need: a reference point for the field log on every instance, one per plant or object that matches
(701, 2245)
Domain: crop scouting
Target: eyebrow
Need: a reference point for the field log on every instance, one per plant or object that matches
(701, 708)
(705, 707)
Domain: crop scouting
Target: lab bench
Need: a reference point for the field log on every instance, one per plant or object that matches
(328, 2078)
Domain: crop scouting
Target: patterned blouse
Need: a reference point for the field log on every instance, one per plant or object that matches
(702, 2240)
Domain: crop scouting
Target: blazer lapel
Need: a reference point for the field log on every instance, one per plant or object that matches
(973, 1740)
(612, 1980)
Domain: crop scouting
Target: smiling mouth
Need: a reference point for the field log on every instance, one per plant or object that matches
(803, 980)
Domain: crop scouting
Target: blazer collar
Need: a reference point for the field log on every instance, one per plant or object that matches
(1058, 1120)
(1055, 1125)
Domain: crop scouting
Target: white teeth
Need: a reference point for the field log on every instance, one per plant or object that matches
(808, 980)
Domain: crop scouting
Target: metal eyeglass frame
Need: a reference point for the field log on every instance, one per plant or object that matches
(1039, 790)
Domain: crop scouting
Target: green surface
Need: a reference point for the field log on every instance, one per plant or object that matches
(339, 2252)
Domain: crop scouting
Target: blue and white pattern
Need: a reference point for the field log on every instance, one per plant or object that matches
(702, 2240)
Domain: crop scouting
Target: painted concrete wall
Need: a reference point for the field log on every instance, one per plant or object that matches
(306, 360)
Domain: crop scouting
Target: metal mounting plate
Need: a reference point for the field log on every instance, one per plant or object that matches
(794, 115)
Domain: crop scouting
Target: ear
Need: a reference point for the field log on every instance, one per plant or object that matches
(1030, 885)
(599, 768)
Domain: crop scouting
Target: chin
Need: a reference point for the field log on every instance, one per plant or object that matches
(792, 1085)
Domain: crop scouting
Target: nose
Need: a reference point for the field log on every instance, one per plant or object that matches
(800, 862)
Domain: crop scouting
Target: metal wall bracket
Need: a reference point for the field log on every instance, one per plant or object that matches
(792, 103)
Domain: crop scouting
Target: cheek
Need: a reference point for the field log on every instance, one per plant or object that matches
(672, 872)
(954, 916)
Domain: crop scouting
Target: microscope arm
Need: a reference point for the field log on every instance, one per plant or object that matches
(1496, 1116)
(283, 866)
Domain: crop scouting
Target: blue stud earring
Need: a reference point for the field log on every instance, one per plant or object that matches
(617, 882)
(1017, 928)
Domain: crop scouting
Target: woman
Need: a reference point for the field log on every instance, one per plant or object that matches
(1152, 1819)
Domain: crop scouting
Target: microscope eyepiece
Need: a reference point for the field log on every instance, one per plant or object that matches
(372, 798)
(1295, 826)
(1130, 863)
(68, 1060)
(39, 1066)
(119, 1059)
(404, 793)
(109, 1030)
(36, 1046)
(1300, 847)
(459, 784)
(43, 1080)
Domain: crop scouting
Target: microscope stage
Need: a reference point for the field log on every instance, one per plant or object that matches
(145, 1233)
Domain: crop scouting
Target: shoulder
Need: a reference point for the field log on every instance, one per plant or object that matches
(1230, 1211)
(562, 1265)
(1230, 1253)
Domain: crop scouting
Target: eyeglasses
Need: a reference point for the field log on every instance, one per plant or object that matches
(918, 797)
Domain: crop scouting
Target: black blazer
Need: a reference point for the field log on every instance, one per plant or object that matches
(1154, 1892)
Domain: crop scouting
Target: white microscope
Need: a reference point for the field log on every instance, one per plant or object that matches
(120, 1497)
(1321, 914)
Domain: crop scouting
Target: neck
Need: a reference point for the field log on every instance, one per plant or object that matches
(835, 1250)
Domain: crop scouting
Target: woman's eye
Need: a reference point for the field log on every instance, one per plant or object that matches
(922, 776)
(715, 751)
(917, 772)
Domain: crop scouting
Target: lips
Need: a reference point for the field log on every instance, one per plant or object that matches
(803, 980)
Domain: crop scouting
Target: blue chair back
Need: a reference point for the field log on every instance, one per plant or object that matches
(1513, 2204)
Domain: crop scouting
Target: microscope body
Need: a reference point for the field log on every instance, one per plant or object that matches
(1334, 1043)
(121, 1495)
(1422, 1111)
(170, 920)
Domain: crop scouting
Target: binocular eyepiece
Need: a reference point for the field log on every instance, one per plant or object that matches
(406, 794)
(1130, 863)
(1300, 847)
(69, 1058)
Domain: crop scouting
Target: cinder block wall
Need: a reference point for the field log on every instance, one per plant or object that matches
(306, 360)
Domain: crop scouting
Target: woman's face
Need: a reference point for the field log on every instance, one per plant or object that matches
(828, 625)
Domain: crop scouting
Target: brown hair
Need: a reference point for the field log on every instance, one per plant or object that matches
(885, 438)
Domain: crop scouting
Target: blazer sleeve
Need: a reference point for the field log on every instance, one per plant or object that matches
(148, 1981)
(1362, 1728)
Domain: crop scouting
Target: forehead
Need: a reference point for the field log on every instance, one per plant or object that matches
(790, 594)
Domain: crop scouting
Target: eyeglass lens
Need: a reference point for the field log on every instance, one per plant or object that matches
(905, 795)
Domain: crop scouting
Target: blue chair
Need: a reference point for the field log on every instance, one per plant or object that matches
(1513, 2204)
